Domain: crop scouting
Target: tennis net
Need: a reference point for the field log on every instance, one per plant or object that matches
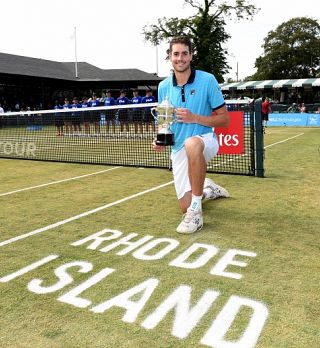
(114, 135)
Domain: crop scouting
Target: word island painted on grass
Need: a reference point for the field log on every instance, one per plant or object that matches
(188, 311)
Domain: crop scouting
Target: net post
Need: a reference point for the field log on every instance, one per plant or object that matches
(259, 139)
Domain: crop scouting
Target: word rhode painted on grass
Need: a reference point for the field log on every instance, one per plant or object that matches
(188, 312)
(148, 248)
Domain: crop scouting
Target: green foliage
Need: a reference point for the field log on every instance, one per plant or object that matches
(206, 29)
(290, 51)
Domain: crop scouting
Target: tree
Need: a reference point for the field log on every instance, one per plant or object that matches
(290, 51)
(206, 29)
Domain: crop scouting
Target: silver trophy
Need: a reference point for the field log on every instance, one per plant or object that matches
(164, 117)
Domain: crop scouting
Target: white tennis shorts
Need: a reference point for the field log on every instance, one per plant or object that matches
(180, 163)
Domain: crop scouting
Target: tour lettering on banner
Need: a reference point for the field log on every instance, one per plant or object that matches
(231, 139)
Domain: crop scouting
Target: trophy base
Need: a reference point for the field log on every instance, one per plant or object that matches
(165, 139)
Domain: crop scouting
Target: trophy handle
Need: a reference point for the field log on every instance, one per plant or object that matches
(154, 116)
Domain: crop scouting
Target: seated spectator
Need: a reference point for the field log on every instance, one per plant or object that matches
(294, 108)
(303, 108)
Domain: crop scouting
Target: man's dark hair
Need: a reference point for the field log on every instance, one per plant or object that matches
(181, 40)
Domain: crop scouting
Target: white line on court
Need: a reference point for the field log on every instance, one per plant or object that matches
(245, 154)
(59, 223)
(58, 181)
(28, 268)
(283, 141)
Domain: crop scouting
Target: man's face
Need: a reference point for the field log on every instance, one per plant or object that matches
(180, 57)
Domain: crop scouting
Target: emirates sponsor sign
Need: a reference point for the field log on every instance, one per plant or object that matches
(231, 139)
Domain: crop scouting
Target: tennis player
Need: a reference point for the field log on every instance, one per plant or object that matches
(195, 95)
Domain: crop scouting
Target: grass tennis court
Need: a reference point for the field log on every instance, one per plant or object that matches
(137, 283)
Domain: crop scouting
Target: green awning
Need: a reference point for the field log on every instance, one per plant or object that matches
(230, 86)
(285, 83)
(316, 83)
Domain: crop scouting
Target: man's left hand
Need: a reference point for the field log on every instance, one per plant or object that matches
(185, 115)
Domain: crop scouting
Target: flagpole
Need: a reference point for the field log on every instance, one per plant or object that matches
(157, 59)
(75, 51)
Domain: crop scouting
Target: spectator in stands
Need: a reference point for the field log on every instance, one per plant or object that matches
(5, 105)
(110, 114)
(294, 108)
(137, 112)
(102, 98)
(265, 110)
(95, 115)
(303, 108)
(123, 116)
(148, 118)
(94, 102)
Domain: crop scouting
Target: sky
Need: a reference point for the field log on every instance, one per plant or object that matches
(109, 33)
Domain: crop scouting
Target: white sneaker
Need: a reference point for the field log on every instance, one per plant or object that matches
(191, 222)
(213, 190)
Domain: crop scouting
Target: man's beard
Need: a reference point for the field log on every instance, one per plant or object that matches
(182, 69)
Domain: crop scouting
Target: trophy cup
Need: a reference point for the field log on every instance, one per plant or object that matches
(164, 118)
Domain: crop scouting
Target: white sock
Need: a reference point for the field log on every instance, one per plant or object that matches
(196, 203)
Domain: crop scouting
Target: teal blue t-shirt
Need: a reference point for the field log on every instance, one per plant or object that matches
(201, 95)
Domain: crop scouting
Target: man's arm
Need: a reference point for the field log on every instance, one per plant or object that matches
(220, 117)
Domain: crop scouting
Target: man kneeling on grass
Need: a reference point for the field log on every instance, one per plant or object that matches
(195, 95)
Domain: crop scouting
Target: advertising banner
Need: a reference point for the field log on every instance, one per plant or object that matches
(287, 120)
(231, 139)
(313, 120)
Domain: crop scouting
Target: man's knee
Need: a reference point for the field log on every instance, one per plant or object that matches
(194, 145)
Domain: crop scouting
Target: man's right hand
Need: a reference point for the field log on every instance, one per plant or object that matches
(157, 148)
